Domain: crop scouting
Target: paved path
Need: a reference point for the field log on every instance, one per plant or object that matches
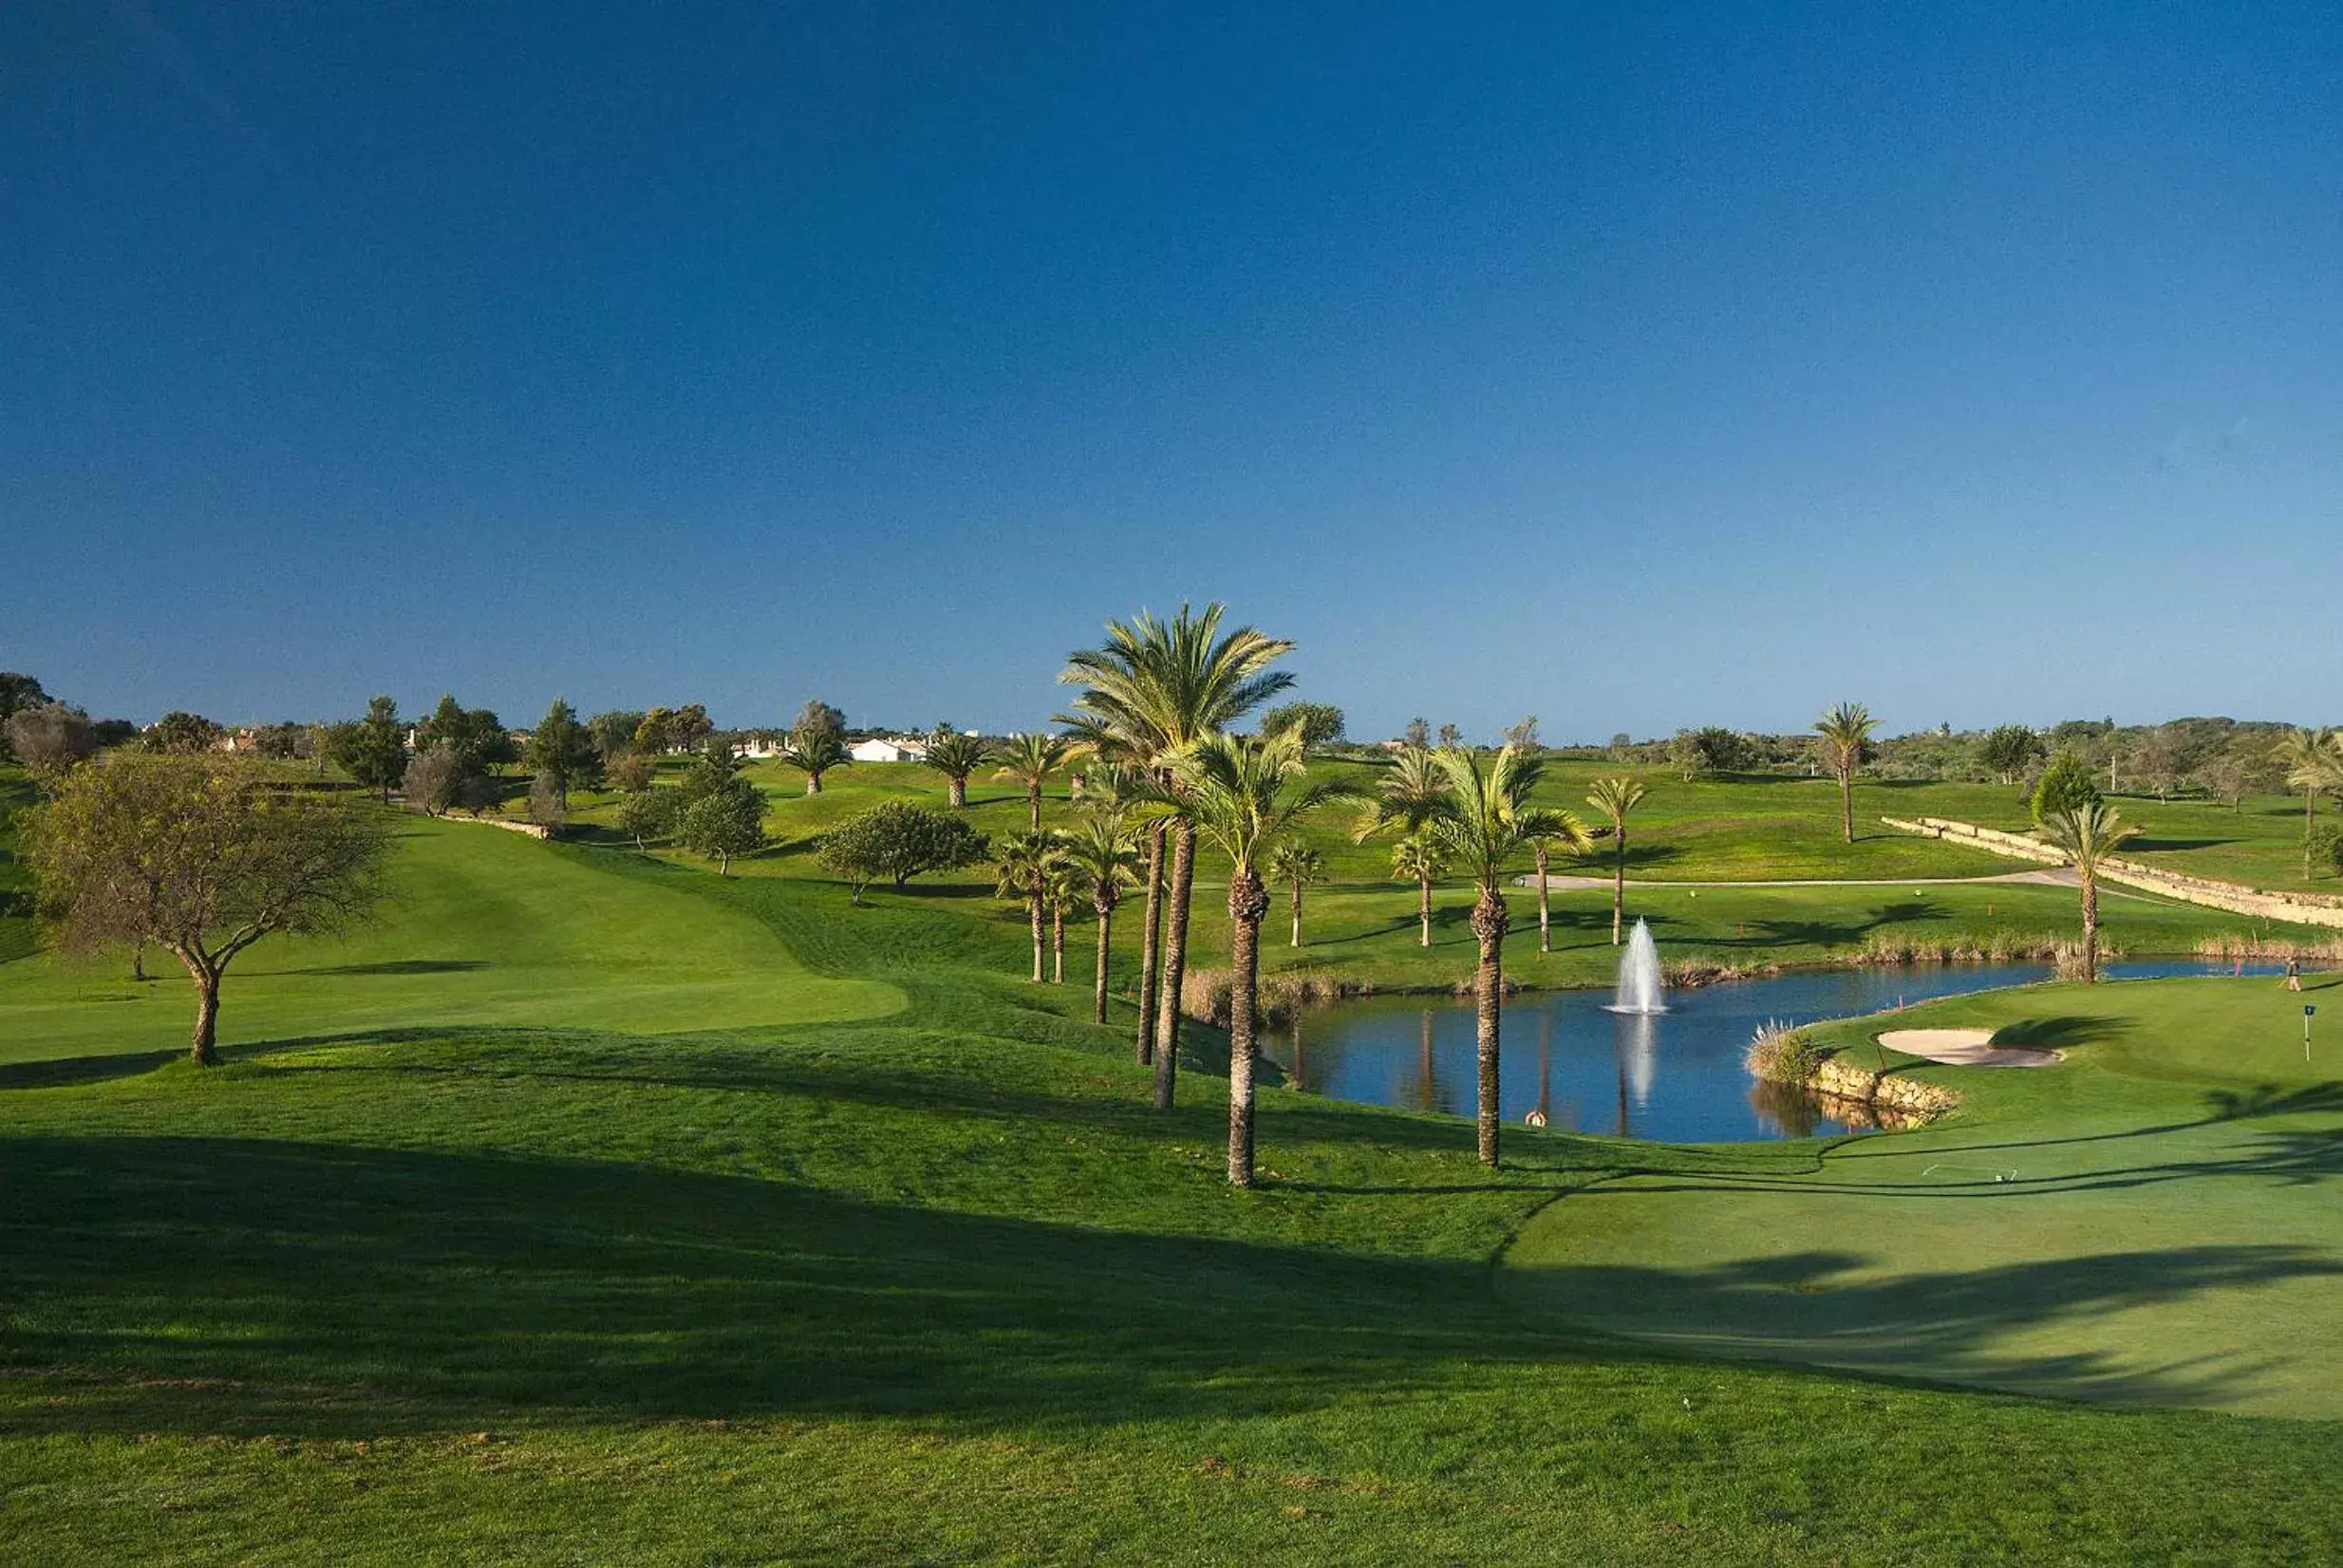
(2048, 876)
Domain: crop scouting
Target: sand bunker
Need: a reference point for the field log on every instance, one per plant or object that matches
(1965, 1048)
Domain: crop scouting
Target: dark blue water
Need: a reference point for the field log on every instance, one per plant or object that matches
(1677, 1076)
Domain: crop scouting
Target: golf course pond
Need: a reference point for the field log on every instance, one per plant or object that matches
(1676, 1076)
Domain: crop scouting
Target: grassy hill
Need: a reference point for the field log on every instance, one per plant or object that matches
(496, 1240)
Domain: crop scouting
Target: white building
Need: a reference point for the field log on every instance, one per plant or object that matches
(888, 749)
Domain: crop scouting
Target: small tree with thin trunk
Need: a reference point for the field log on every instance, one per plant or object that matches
(201, 857)
(2088, 834)
(1296, 866)
(1614, 798)
(1546, 830)
(1030, 760)
(1418, 859)
(1101, 853)
(1843, 734)
(50, 739)
(956, 756)
(1479, 826)
(1026, 862)
(726, 821)
(2314, 761)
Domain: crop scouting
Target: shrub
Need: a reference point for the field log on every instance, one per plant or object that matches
(647, 814)
(1780, 1054)
(899, 841)
(2327, 849)
(726, 822)
(2065, 785)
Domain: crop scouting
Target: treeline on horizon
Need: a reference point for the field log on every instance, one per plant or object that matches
(2216, 756)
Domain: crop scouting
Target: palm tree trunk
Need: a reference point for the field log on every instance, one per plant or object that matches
(2310, 805)
(1247, 902)
(1297, 939)
(2091, 927)
(1033, 802)
(1424, 910)
(1490, 921)
(1847, 801)
(1058, 944)
(1151, 934)
(813, 783)
(1619, 879)
(1033, 907)
(1106, 941)
(957, 790)
(1546, 926)
(1182, 883)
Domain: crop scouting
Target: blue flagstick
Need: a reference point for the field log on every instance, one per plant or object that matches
(2308, 1009)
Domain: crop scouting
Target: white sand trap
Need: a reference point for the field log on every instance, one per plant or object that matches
(1965, 1048)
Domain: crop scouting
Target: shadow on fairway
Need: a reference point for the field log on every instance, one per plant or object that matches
(212, 1284)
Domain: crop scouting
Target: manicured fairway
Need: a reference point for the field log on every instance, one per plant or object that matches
(850, 1247)
(2155, 1220)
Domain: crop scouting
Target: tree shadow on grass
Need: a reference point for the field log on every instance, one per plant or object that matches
(228, 1284)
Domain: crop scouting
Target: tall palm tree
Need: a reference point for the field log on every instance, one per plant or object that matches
(956, 756)
(1027, 860)
(2314, 761)
(1130, 758)
(1100, 851)
(1418, 859)
(1296, 866)
(1614, 798)
(1241, 795)
(1545, 829)
(1030, 760)
(2088, 834)
(1479, 826)
(1062, 890)
(815, 752)
(1160, 688)
(1844, 737)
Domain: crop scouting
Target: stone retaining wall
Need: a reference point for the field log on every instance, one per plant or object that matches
(1841, 1079)
(2299, 908)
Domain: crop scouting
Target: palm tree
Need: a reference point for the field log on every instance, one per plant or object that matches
(1844, 735)
(2314, 761)
(2088, 834)
(1101, 852)
(1157, 688)
(1545, 829)
(1614, 798)
(1130, 759)
(1063, 889)
(1030, 760)
(956, 756)
(1296, 866)
(1240, 795)
(1027, 862)
(1418, 859)
(1479, 826)
(815, 752)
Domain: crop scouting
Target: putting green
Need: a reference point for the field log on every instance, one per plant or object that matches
(483, 928)
(2153, 1220)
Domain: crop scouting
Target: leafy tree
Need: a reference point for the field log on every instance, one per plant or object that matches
(688, 725)
(1710, 750)
(1160, 688)
(651, 734)
(203, 857)
(1545, 829)
(1241, 796)
(2314, 761)
(713, 769)
(111, 733)
(182, 733)
(1614, 798)
(646, 813)
(629, 770)
(281, 742)
(1408, 795)
(814, 751)
(1843, 735)
(2009, 750)
(1480, 829)
(1451, 737)
(899, 841)
(1030, 760)
(727, 822)
(819, 716)
(434, 780)
(561, 752)
(547, 808)
(1418, 734)
(613, 731)
(475, 737)
(2064, 786)
(1026, 862)
(1418, 859)
(20, 691)
(2090, 831)
(373, 750)
(1295, 866)
(956, 756)
(49, 737)
(1100, 851)
(1318, 723)
(1522, 736)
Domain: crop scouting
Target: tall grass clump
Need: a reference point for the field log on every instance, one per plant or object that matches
(2233, 947)
(1779, 1053)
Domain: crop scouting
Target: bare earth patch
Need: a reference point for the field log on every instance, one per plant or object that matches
(1965, 1048)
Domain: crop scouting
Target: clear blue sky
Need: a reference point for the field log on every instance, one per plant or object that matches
(1637, 368)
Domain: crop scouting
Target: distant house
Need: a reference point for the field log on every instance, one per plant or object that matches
(242, 742)
(761, 745)
(888, 749)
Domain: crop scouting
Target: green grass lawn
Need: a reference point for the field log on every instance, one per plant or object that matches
(2153, 1220)
(848, 1247)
